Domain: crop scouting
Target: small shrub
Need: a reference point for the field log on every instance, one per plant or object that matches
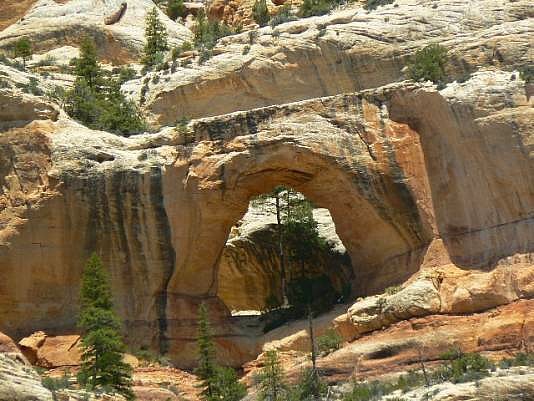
(409, 381)
(308, 385)
(48, 60)
(520, 359)
(392, 290)
(260, 12)
(527, 73)
(246, 49)
(155, 79)
(176, 9)
(126, 74)
(23, 49)
(207, 33)
(175, 53)
(310, 8)
(429, 64)
(462, 367)
(282, 16)
(187, 46)
(252, 36)
(374, 4)
(205, 55)
(4, 84)
(330, 341)
(372, 391)
(32, 87)
(56, 383)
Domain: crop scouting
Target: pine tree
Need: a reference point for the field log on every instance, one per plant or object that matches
(102, 344)
(156, 39)
(271, 379)
(23, 49)
(86, 66)
(219, 383)
(260, 12)
(175, 9)
(303, 240)
(207, 365)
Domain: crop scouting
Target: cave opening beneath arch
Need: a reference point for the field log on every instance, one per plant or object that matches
(258, 273)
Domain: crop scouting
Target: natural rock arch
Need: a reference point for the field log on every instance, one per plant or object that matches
(394, 166)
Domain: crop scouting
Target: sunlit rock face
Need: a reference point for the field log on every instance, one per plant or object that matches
(413, 178)
(347, 51)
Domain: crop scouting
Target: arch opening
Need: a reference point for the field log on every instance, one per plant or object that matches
(257, 270)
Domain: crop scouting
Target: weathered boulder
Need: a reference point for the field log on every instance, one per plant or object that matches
(19, 382)
(52, 351)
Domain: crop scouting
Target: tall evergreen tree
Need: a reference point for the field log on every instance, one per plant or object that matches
(156, 38)
(86, 66)
(303, 240)
(102, 344)
(207, 365)
(219, 383)
(271, 379)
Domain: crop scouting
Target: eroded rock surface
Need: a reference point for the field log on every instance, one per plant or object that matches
(348, 51)
(412, 177)
(50, 24)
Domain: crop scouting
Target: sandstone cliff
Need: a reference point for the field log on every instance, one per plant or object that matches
(426, 187)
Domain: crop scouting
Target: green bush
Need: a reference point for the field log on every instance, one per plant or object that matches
(207, 33)
(23, 49)
(260, 12)
(330, 341)
(310, 8)
(429, 64)
(282, 16)
(56, 383)
(373, 4)
(527, 73)
(32, 87)
(409, 381)
(175, 9)
(462, 367)
(372, 391)
(520, 359)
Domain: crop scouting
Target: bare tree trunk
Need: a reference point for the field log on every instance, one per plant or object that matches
(425, 375)
(315, 376)
(285, 301)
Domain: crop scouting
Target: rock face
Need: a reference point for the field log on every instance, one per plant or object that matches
(415, 179)
(348, 51)
(49, 24)
(249, 267)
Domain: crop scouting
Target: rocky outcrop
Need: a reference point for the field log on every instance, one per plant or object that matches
(52, 351)
(50, 25)
(496, 333)
(19, 382)
(348, 51)
(390, 165)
